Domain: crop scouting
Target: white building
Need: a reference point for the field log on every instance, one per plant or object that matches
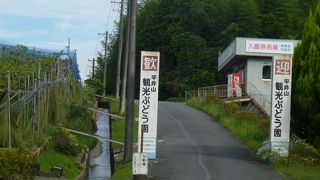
(252, 59)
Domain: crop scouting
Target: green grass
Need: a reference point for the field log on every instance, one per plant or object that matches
(119, 131)
(52, 157)
(69, 118)
(175, 99)
(118, 126)
(85, 142)
(296, 170)
(303, 161)
(123, 172)
(115, 106)
(250, 132)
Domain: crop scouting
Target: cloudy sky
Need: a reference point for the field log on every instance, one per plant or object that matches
(49, 24)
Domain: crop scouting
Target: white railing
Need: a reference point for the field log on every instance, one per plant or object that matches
(248, 89)
(190, 94)
(261, 100)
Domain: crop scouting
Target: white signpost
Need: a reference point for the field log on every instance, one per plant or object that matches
(281, 104)
(148, 105)
(140, 164)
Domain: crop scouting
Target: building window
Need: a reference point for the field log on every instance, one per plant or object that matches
(266, 72)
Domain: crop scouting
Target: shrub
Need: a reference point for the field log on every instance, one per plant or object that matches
(15, 164)
(246, 115)
(212, 98)
(78, 111)
(300, 149)
(175, 99)
(231, 107)
(65, 142)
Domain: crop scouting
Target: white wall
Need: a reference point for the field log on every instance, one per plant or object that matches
(254, 75)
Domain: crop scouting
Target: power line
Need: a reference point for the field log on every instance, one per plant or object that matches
(108, 19)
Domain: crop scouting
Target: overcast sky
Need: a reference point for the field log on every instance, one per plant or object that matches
(49, 24)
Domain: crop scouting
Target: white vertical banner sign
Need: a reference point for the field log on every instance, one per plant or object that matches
(148, 103)
(281, 104)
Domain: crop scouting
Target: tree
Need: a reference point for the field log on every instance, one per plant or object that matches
(307, 5)
(242, 19)
(306, 80)
(281, 19)
(191, 33)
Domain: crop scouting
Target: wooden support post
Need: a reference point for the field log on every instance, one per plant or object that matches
(34, 108)
(39, 91)
(9, 111)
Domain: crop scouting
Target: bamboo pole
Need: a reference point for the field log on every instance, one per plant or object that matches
(9, 111)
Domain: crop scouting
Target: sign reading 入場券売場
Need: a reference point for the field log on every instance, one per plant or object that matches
(281, 104)
(148, 102)
(273, 47)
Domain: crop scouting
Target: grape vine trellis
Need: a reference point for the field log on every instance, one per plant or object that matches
(35, 101)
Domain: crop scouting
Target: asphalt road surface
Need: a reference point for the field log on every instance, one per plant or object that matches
(192, 146)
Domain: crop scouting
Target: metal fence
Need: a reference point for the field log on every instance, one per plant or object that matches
(24, 113)
(221, 91)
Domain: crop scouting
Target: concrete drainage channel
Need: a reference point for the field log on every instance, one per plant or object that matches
(100, 161)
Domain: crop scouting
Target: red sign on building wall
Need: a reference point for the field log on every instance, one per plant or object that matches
(236, 83)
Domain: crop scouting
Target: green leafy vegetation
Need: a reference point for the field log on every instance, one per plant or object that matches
(306, 81)
(118, 126)
(15, 164)
(191, 33)
(52, 157)
(115, 107)
(63, 149)
(175, 99)
(62, 104)
(20, 63)
(64, 142)
(303, 161)
(250, 129)
(123, 172)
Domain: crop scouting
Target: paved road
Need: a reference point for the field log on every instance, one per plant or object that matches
(192, 146)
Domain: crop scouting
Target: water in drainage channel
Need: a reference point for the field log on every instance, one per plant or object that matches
(100, 167)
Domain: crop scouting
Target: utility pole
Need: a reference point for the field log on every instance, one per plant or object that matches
(118, 82)
(131, 83)
(125, 66)
(93, 66)
(9, 111)
(105, 63)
